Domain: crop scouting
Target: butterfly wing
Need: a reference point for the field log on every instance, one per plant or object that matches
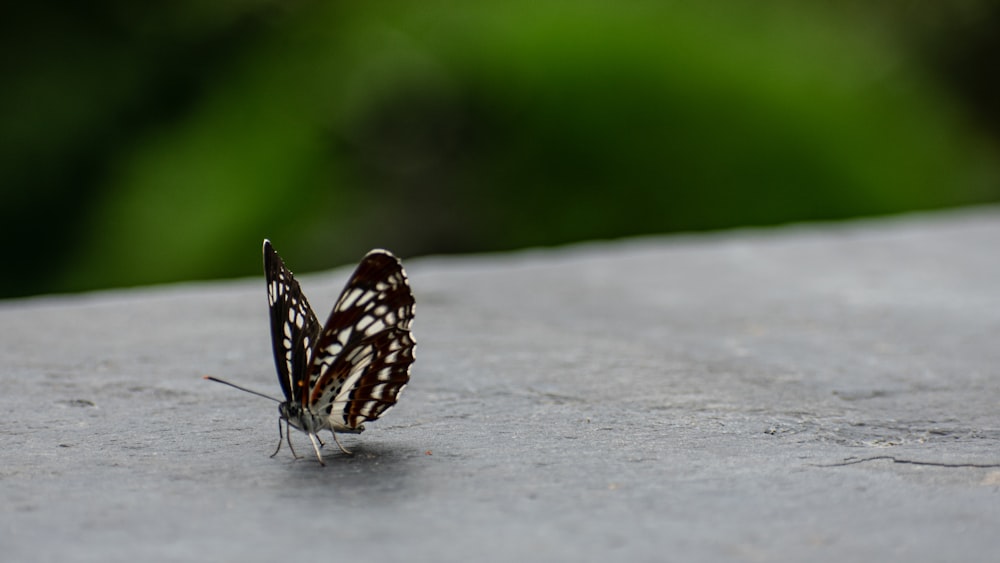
(363, 357)
(294, 326)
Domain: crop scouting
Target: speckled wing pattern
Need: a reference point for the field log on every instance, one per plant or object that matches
(294, 326)
(362, 360)
(353, 369)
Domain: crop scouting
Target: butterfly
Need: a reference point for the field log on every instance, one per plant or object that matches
(350, 370)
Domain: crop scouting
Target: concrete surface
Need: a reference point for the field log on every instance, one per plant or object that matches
(807, 393)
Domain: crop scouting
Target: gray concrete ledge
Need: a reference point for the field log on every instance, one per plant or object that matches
(808, 393)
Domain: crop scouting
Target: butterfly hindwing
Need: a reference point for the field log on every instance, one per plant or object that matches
(294, 326)
(362, 359)
(364, 383)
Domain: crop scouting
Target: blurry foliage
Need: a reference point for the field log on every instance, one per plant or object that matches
(149, 143)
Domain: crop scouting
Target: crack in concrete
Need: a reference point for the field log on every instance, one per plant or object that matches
(907, 461)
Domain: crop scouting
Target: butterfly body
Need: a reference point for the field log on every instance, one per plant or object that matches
(350, 370)
(301, 418)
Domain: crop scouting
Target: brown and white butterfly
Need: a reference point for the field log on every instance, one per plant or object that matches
(350, 370)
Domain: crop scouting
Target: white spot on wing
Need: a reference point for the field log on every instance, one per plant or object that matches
(364, 322)
(366, 296)
(349, 298)
(344, 335)
(367, 410)
(376, 327)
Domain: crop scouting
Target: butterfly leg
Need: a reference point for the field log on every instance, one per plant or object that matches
(312, 438)
(339, 445)
(288, 438)
(280, 438)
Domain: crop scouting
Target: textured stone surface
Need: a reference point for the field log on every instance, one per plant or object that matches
(732, 396)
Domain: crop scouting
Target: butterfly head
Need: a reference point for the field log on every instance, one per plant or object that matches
(299, 417)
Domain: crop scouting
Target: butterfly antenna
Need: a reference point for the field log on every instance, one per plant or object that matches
(251, 391)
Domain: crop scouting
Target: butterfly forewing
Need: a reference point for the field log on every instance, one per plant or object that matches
(362, 359)
(294, 326)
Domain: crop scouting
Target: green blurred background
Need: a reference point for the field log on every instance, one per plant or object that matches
(153, 142)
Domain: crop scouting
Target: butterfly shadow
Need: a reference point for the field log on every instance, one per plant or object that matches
(372, 470)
